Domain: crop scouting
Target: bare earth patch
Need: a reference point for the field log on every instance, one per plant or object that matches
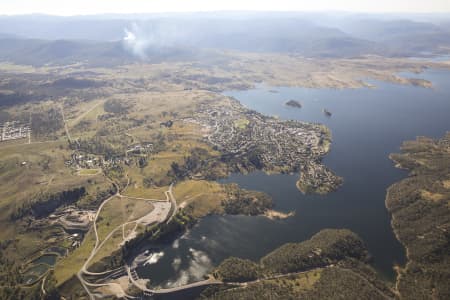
(278, 215)
(446, 184)
(431, 196)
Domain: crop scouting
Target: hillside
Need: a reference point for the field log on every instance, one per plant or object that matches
(330, 265)
(123, 38)
(420, 212)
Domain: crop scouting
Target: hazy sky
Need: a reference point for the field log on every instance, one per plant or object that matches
(77, 7)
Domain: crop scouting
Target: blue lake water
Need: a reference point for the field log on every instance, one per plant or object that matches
(367, 124)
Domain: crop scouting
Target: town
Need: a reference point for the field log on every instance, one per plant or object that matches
(269, 143)
(81, 159)
(14, 130)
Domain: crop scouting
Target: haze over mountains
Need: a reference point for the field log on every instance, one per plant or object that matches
(114, 39)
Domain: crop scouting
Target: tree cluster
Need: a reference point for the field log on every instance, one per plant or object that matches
(45, 204)
(244, 202)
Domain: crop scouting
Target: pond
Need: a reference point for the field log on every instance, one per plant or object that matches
(48, 259)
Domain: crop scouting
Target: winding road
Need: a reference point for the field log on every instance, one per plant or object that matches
(98, 245)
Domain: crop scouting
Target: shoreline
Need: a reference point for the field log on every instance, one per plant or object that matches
(416, 220)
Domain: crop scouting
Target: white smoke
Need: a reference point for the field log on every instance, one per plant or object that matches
(141, 38)
(135, 41)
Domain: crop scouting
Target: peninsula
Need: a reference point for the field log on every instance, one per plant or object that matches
(420, 208)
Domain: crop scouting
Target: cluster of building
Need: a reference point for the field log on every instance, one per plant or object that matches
(139, 149)
(85, 161)
(315, 177)
(82, 160)
(14, 130)
(73, 219)
(279, 145)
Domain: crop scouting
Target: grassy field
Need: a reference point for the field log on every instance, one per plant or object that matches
(241, 123)
(147, 193)
(202, 196)
(29, 170)
(116, 212)
(179, 142)
(111, 245)
(70, 265)
(87, 111)
(120, 210)
(298, 283)
(89, 172)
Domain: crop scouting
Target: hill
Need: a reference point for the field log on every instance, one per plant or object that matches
(420, 212)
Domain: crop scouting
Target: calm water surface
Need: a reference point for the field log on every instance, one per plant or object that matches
(367, 125)
(49, 259)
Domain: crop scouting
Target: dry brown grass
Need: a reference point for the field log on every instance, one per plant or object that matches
(300, 282)
(118, 211)
(446, 184)
(431, 196)
(70, 265)
(205, 197)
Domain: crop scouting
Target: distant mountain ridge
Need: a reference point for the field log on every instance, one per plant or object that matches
(102, 40)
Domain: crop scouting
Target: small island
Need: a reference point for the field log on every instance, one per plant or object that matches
(294, 103)
(326, 112)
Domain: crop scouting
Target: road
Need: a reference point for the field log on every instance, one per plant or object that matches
(66, 128)
(95, 249)
(188, 286)
(173, 202)
(98, 245)
(244, 284)
(170, 290)
(75, 121)
(80, 117)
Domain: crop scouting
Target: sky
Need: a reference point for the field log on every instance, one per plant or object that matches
(88, 7)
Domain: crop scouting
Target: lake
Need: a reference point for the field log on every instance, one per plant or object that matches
(367, 124)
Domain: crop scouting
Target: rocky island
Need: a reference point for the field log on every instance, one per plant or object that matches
(293, 103)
